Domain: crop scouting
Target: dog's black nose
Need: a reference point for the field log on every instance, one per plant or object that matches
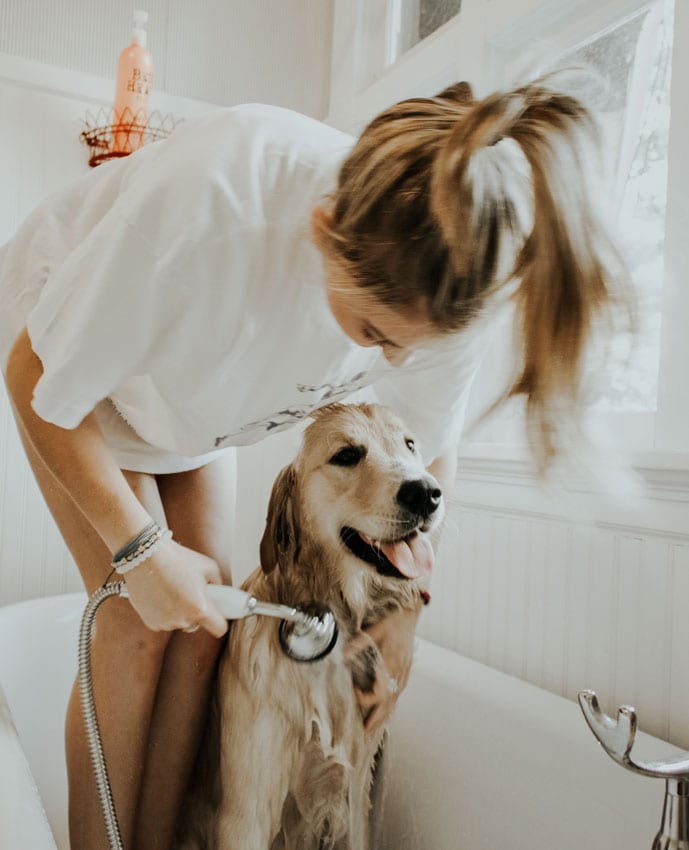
(421, 497)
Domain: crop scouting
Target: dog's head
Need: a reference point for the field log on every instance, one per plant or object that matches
(359, 490)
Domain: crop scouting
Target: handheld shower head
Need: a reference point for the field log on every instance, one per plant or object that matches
(310, 637)
(304, 635)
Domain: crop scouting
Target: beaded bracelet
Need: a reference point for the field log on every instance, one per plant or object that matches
(141, 548)
(144, 552)
(133, 544)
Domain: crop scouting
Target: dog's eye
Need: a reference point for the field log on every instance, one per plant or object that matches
(411, 445)
(348, 456)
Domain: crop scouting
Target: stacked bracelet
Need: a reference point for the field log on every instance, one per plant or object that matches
(140, 547)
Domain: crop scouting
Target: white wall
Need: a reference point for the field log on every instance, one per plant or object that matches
(222, 51)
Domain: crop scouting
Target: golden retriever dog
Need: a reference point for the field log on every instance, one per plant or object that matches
(289, 763)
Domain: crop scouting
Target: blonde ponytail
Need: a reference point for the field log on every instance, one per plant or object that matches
(443, 201)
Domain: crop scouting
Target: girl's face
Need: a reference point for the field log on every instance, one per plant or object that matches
(369, 322)
(362, 317)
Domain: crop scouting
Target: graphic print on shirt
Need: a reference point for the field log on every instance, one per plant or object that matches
(328, 393)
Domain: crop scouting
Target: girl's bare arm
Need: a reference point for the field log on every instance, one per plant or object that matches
(167, 589)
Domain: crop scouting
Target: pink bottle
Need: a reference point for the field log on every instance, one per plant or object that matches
(134, 78)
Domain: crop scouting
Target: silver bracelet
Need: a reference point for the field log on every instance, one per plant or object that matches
(145, 549)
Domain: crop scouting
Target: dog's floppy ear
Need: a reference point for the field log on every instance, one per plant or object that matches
(280, 541)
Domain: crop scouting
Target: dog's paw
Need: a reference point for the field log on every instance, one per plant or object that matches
(364, 659)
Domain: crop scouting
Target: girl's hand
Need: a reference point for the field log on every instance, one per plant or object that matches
(168, 591)
(381, 657)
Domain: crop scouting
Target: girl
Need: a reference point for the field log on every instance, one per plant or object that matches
(217, 287)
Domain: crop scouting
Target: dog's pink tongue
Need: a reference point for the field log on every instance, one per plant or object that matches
(414, 557)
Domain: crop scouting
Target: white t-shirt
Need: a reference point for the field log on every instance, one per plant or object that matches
(181, 283)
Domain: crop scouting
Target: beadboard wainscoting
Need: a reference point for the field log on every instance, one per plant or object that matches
(41, 108)
(598, 602)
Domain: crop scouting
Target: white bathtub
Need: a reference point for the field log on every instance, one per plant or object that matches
(478, 760)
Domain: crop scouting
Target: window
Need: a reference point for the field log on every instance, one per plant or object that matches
(393, 27)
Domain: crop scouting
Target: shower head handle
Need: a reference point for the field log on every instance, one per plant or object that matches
(304, 636)
(232, 602)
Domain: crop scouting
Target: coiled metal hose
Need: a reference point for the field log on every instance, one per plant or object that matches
(88, 708)
(304, 637)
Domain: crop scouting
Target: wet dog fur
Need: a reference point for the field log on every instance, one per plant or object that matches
(287, 764)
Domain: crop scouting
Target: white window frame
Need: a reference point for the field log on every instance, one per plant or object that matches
(484, 45)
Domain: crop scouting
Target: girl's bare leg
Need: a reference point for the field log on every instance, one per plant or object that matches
(149, 752)
(127, 659)
(198, 506)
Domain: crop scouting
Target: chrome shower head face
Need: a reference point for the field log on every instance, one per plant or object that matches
(310, 638)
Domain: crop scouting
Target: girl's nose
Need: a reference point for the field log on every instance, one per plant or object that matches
(396, 356)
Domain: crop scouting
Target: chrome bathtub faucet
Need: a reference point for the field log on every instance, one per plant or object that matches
(617, 739)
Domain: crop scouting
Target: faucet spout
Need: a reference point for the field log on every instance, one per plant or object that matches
(617, 739)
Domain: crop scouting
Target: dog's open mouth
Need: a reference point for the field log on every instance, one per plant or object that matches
(410, 557)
